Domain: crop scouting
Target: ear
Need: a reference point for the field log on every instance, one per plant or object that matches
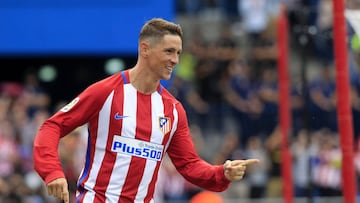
(144, 48)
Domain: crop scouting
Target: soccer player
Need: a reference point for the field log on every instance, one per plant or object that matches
(132, 122)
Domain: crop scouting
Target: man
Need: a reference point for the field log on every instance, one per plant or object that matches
(132, 122)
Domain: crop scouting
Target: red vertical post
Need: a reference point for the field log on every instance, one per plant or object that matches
(284, 106)
(343, 106)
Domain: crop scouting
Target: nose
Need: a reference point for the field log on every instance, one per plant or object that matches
(175, 59)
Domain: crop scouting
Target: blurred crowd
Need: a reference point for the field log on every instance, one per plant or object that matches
(227, 81)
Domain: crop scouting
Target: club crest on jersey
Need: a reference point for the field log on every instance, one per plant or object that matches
(164, 124)
(70, 105)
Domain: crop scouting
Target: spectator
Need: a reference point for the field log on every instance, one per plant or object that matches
(322, 102)
(257, 176)
(301, 164)
(268, 94)
(327, 173)
(241, 96)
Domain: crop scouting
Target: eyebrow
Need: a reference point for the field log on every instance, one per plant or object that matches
(171, 49)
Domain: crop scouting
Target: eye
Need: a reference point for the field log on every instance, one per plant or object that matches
(172, 51)
(169, 51)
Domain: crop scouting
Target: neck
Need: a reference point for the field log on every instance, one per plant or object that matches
(142, 80)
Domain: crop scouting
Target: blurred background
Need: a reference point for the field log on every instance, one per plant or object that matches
(227, 80)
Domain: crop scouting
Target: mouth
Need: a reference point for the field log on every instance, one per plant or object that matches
(170, 69)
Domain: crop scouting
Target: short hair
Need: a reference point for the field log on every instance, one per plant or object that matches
(156, 28)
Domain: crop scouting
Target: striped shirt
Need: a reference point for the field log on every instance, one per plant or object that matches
(128, 135)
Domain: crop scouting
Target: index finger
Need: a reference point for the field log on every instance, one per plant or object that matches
(250, 161)
(66, 198)
(245, 162)
(65, 194)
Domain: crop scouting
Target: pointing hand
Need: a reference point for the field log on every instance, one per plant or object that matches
(235, 170)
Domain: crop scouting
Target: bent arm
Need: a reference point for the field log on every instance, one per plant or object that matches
(74, 114)
(188, 163)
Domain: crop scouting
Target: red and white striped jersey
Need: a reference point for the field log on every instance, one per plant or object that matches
(128, 134)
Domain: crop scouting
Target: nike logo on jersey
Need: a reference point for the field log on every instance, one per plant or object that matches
(119, 117)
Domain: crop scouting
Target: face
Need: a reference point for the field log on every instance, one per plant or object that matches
(163, 57)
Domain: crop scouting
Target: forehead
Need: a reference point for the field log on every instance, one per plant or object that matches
(173, 41)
